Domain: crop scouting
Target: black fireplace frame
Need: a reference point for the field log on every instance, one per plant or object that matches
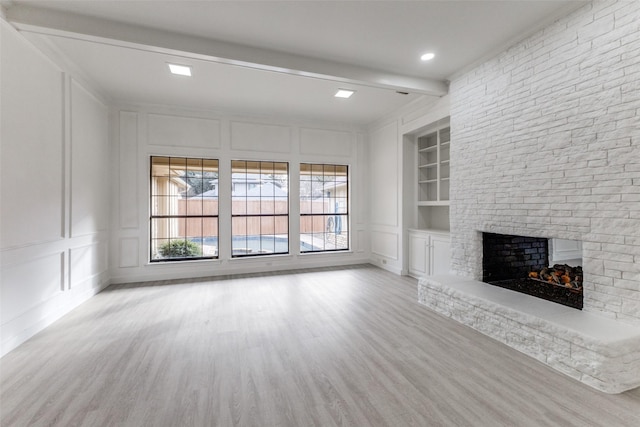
(507, 261)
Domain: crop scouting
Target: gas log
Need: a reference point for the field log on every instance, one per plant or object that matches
(560, 275)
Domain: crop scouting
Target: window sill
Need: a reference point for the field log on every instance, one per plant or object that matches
(186, 261)
(261, 257)
(316, 253)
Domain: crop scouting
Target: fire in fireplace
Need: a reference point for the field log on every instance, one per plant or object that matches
(521, 263)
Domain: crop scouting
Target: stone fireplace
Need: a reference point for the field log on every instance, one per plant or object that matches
(545, 144)
(522, 264)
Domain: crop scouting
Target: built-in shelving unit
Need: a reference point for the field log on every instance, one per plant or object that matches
(433, 167)
(432, 150)
(426, 154)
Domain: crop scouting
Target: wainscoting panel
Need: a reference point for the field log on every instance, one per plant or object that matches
(178, 131)
(360, 237)
(260, 137)
(326, 142)
(384, 244)
(128, 170)
(129, 248)
(384, 176)
(89, 168)
(29, 283)
(32, 136)
(86, 263)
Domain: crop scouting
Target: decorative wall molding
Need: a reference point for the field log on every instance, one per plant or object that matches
(56, 153)
(384, 244)
(173, 131)
(87, 262)
(322, 141)
(31, 283)
(32, 156)
(89, 172)
(128, 252)
(384, 176)
(260, 137)
(127, 170)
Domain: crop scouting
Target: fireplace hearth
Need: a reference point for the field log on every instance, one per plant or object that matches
(521, 264)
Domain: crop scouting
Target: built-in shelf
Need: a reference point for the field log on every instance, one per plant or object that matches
(440, 203)
(426, 154)
(433, 151)
(427, 149)
(426, 199)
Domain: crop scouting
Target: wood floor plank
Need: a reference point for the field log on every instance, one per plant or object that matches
(325, 347)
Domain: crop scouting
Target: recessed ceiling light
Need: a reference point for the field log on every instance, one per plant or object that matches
(428, 56)
(180, 70)
(344, 93)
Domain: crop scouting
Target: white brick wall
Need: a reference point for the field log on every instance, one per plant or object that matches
(546, 143)
(600, 352)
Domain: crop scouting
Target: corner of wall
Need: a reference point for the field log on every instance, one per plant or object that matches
(50, 263)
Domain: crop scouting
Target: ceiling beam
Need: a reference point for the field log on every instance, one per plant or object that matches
(50, 22)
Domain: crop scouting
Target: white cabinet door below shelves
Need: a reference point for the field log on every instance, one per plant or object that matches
(429, 253)
(418, 254)
(440, 255)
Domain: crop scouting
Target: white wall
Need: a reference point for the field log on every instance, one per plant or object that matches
(143, 131)
(54, 215)
(392, 203)
(546, 143)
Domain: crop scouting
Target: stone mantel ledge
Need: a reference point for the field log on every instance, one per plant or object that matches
(596, 350)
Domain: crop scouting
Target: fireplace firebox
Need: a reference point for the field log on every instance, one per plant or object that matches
(521, 264)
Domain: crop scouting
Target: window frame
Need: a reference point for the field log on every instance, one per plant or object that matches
(185, 217)
(344, 216)
(248, 215)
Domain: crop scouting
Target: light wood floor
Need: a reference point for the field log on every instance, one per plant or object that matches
(309, 348)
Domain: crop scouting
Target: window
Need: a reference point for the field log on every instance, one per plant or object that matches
(184, 209)
(324, 208)
(259, 208)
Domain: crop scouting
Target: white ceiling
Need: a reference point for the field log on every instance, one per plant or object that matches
(279, 58)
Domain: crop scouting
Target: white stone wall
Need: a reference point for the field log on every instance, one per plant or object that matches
(546, 142)
(597, 351)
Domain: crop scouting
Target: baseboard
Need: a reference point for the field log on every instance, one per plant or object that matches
(61, 305)
(241, 266)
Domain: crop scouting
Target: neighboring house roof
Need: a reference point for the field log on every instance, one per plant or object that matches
(261, 190)
(207, 194)
(333, 185)
(265, 189)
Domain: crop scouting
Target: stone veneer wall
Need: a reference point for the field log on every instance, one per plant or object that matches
(546, 143)
(601, 352)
